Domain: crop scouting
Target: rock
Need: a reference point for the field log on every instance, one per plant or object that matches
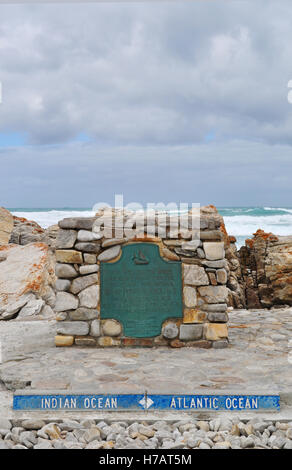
(83, 314)
(106, 341)
(95, 328)
(69, 256)
(220, 344)
(33, 424)
(88, 236)
(222, 263)
(85, 341)
(89, 258)
(65, 301)
(14, 307)
(63, 284)
(215, 331)
(288, 445)
(92, 434)
(65, 271)
(6, 226)
(221, 276)
(203, 445)
(146, 431)
(50, 430)
(190, 296)
(214, 307)
(44, 445)
(89, 247)
(111, 328)
(5, 425)
(192, 315)
(66, 239)
(110, 253)
(170, 330)
(80, 328)
(166, 253)
(222, 445)
(217, 317)
(61, 341)
(225, 424)
(80, 283)
(113, 241)
(200, 253)
(277, 441)
(214, 294)
(211, 235)
(27, 231)
(61, 316)
(89, 297)
(33, 307)
(27, 269)
(194, 275)
(191, 245)
(49, 296)
(4, 445)
(266, 270)
(214, 250)
(28, 438)
(88, 269)
(203, 425)
(246, 442)
(82, 223)
(190, 332)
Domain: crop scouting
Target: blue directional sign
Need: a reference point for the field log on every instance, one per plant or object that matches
(128, 402)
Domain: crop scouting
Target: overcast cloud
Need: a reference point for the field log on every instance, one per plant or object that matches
(160, 101)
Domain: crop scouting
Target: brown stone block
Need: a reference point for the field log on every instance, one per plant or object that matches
(128, 342)
(61, 341)
(69, 256)
(193, 315)
(108, 341)
(176, 343)
(166, 253)
(85, 341)
(215, 331)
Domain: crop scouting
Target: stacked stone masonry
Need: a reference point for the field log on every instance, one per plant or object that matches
(81, 247)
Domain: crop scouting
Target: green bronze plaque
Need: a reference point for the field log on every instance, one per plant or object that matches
(141, 290)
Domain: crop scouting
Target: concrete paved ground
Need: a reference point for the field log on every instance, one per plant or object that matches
(257, 361)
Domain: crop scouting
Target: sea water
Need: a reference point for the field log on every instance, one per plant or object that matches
(241, 222)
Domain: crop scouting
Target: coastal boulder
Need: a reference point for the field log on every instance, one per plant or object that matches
(26, 278)
(266, 265)
(6, 225)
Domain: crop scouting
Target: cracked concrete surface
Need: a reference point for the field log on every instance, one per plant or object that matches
(257, 361)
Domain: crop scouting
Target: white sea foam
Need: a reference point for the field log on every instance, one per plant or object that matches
(47, 218)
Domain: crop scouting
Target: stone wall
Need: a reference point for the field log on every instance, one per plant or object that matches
(81, 248)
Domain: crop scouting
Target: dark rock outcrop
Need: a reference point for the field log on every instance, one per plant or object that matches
(266, 270)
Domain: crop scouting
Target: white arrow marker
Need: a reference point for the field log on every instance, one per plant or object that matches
(146, 403)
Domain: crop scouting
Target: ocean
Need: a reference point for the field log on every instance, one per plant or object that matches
(241, 222)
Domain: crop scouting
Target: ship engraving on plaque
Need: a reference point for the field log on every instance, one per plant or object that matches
(141, 290)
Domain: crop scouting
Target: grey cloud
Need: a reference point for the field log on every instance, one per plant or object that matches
(150, 84)
(82, 174)
(147, 73)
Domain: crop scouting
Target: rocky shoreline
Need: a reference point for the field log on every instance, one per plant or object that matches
(259, 275)
(218, 433)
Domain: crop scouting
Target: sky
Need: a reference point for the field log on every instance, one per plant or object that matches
(159, 101)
